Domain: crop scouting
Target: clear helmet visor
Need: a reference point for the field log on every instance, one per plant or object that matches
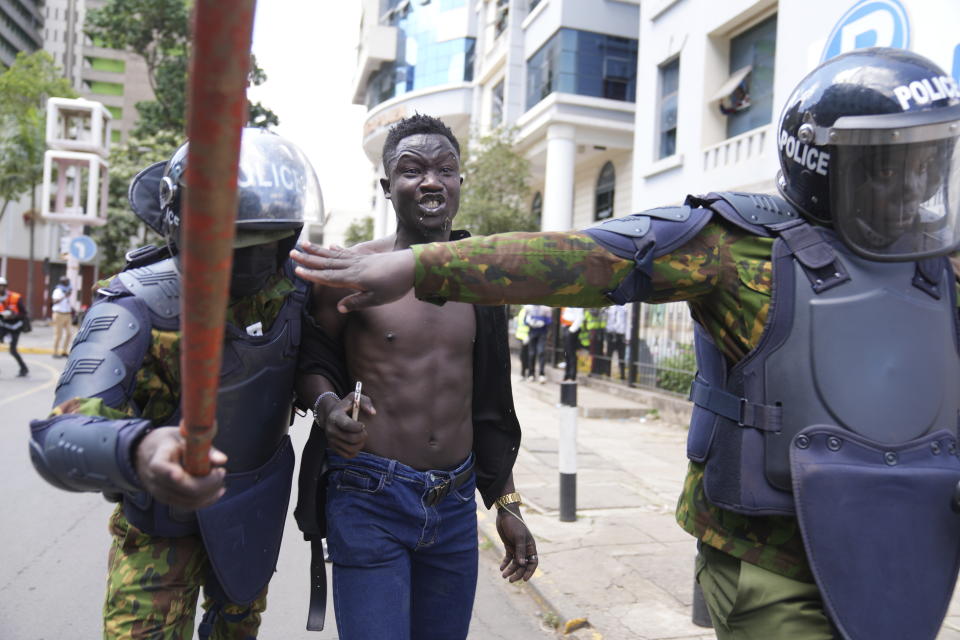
(898, 201)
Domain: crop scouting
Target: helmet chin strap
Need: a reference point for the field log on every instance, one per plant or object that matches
(874, 237)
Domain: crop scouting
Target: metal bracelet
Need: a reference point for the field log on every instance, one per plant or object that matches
(316, 403)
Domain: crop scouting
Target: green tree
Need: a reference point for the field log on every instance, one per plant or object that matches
(495, 193)
(159, 31)
(24, 89)
(359, 231)
(125, 231)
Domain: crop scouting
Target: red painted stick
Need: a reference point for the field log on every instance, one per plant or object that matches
(217, 108)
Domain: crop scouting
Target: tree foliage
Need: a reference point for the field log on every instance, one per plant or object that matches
(359, 231)
(495, 192)
(24, 89)
(124, 231)
(159, 31)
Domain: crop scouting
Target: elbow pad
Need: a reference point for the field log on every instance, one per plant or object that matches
(86, 453)
(642, 237)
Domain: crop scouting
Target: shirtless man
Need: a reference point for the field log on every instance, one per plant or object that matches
(402, 528)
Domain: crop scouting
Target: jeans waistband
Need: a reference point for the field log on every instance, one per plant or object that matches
(396, 468)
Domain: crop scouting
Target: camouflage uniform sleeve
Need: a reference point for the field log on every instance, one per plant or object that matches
(558, 269)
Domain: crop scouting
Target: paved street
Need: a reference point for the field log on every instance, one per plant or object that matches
(53, 546)
(622, 571)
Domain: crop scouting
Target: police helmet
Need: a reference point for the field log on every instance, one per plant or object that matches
(868, 143)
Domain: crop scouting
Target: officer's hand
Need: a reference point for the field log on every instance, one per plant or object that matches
(379, 278)
(159, 463)
(6, 313)
(345, 435)
(520, 559)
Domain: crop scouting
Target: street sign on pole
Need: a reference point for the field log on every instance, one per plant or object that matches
(83, 248)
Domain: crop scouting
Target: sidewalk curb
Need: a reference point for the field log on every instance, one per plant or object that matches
(31, 350)
(563, 625)
(488, 531)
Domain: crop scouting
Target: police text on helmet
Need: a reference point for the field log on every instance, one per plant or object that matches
(812, 158)
(926, 90)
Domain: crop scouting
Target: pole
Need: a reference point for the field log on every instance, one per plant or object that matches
(217, 111)
(700, 614)
(568, 451)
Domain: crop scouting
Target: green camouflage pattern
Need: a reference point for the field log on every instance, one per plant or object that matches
(724, 274)
(153, 584)
(558, 269)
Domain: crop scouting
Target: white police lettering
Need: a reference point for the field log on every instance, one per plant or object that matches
(924, 91)
(269, 176)
(806, 156)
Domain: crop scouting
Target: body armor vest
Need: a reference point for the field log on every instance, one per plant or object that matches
(241, 531)
(845, 414)
(866, 346)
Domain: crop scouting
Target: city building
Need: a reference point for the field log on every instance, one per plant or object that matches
(118, 79)
(21, 28)
(561, 72)
(718, 73)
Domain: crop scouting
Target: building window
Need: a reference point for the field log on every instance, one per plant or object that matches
(423, 58)
(496, 105)
(104, 88)
(500, 21)
(584, 63)
(667, 109)
(751, 105)
(536, 208)
(110, 65)
(606, 183)
(115, 112)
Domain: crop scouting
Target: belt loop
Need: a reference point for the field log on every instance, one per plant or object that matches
(391, 471)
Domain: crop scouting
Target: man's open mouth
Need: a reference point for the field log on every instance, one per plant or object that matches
(431, 202)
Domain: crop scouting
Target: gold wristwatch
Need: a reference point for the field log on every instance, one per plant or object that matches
(510, 498)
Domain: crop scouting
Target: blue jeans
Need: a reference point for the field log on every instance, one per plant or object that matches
(401, 570)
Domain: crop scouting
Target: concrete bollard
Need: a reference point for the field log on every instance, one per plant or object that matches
(568, 451)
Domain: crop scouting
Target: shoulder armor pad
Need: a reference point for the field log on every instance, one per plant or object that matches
(753, 212)
(106, 353)
(157, 285)
(91, 371)
(108, 324)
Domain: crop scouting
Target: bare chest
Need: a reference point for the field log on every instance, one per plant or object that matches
(412, 327)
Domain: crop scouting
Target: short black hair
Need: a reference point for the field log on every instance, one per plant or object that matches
(418, 123)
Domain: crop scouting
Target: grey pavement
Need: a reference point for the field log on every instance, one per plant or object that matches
(624, 568)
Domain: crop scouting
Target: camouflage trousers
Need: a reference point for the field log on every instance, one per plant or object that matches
(152, 588)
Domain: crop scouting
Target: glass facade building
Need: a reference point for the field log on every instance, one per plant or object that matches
(422, 60)
(584, 63)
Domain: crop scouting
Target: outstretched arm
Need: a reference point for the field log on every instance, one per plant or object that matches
(557, 269)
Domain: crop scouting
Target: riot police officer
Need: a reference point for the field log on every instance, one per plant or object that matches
(117, 403)
(823, 444)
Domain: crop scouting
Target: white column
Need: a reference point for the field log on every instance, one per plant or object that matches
(558, 181)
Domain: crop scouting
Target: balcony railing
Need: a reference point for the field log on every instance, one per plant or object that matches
(737, 150)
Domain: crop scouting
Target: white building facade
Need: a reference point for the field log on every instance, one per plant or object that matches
(563, 72)
(718, 74)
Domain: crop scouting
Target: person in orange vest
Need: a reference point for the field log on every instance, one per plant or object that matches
(13, 315)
